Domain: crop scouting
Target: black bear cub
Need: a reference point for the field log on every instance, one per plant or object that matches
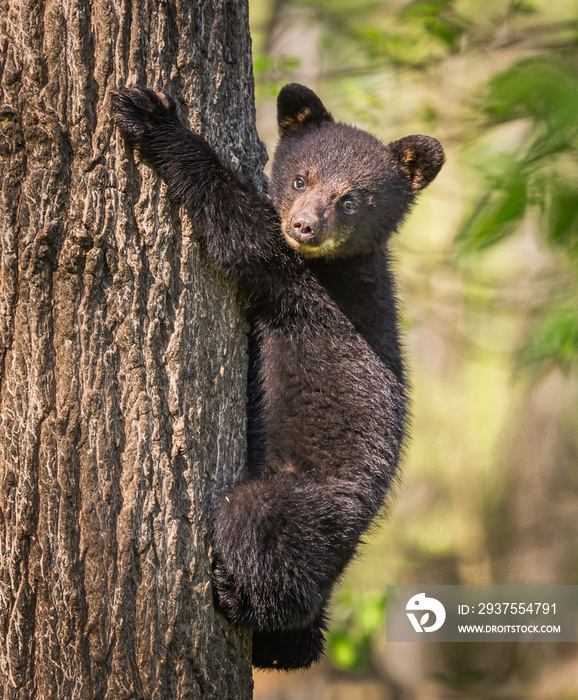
(327, 404)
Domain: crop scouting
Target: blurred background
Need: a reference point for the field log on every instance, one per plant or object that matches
(488, 276)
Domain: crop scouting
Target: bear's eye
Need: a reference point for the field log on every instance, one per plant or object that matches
(299, 183)
(349, 204)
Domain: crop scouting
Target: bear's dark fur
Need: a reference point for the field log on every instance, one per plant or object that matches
(327, 405)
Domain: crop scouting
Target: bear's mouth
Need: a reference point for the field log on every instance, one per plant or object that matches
(310, 245)
(302, 236)
(298, 239)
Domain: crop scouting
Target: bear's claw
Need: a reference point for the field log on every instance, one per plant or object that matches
(140, 111)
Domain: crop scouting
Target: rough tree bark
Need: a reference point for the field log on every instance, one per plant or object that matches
(122, 356)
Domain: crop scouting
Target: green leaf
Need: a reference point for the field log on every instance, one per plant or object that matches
(557, 339)
(261, 63)
(562, 216)
(342, 650)
(525, 7)
(445, 31)
(425, 8)
(539, 88)
(371, 614)
(495, 217)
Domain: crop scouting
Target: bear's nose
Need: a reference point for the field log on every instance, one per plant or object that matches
(304, 227)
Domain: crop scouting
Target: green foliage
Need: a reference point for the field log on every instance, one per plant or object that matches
(438, 18)
(356, 620)
(541, 88)
(412, 36)
(499, 211)
(265, 67)
(556, 339)
(561, 212)
(536, 177)
(541, 172)
(371, 36)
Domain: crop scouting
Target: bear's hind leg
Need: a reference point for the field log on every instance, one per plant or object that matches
(291, 649)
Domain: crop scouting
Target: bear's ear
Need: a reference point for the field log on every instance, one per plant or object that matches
(419, 157)
(298, 106)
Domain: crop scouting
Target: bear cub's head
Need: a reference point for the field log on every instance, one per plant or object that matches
(340, 191)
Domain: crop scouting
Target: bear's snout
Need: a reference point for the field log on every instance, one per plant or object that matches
(304, 227)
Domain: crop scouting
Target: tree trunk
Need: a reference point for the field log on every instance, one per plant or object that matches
(122, 356)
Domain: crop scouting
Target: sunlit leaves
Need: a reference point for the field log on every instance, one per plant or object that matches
(561, 215)
(545, 94)
(539, 88)
(524, 6)
(264, 66)
(373, 35)
(537, 178)
(426, 9)
(498, 213)
(357, 618)
(556, 339)
(438, 19)
(413, 36)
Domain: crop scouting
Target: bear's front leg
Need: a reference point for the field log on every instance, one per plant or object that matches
(238, 227)
(147, 119)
